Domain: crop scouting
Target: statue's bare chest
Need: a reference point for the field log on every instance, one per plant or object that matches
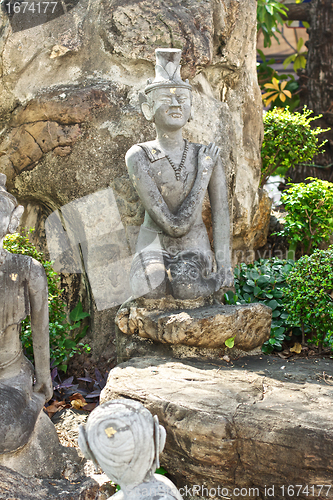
(173, 190)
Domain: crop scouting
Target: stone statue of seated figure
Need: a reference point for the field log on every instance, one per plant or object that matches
(125, 440)
(171, 175)
(23, 291)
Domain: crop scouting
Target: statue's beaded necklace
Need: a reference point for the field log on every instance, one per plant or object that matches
(178, 169)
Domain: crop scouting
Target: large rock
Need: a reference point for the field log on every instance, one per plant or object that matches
(43, 456)
(14, 486)
(189, 328)
(69, 107)
(257, 423)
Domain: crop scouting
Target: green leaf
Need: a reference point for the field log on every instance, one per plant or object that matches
(273, 304)
(80, 336)
(161, 471)
(300, 44)
(230, 342)
(263, 280)
(77, 313)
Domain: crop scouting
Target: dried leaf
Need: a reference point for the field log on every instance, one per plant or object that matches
(77, 404)
(54, 407)
(78, 396)
(297, 348)
(89, 407)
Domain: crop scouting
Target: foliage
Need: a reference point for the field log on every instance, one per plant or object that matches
(266, 73)
(308, 298)
(288, 140)
(276, 90)
(299, 58)
(269, 18)
(284, 89)
(264, 281)
(63, 343)
(309, 219)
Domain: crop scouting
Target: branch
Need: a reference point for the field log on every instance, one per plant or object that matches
(298, 12)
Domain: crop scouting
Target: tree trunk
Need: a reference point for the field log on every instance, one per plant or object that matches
(318, 78)
(298, 12)
(316, 81)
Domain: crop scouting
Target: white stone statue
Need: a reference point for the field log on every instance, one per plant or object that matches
(125, 440)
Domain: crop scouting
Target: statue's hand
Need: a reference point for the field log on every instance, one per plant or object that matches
(229, 277)
(225, 278)
(207, 158)
(44, 386)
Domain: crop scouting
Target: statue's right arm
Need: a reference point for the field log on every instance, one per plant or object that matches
(175, 225)
(38, 296)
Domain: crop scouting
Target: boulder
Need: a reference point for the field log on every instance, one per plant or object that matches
(259, 422)
(181, 328)
(14, 486)
(43, 456)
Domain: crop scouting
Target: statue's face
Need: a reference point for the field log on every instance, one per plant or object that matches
(171, 107)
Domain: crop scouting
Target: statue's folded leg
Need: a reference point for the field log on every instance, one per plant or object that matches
(148, 275)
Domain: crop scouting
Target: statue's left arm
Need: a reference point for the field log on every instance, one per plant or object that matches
(218, 195)
(38, 295)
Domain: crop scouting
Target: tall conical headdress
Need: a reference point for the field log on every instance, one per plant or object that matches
(167, 71)
(3, 190)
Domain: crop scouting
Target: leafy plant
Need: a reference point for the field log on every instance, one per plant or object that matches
(264, 281)
(269, 18)
(276, 90)
(288, 140)
(309, 218)
(63, 344)
(308, 298)
(299, 58)
(265, 71)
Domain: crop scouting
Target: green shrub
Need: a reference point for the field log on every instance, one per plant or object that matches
(288, 140)
(63, 343)
(308, 298)
(309, 219)
(264, 281)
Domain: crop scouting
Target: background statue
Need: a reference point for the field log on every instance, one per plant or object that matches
(173, 252)
(23, 291)
(125, 440)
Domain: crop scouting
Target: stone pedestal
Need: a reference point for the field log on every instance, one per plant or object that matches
(43, 455)
(254, 423)
(192, 328)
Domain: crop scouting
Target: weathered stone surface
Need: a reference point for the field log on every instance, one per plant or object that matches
(84, 71)
(208, 326)
(258, 422)
(14, 486)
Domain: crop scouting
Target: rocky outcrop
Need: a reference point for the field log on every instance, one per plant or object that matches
(69, 105)
(256, 423)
